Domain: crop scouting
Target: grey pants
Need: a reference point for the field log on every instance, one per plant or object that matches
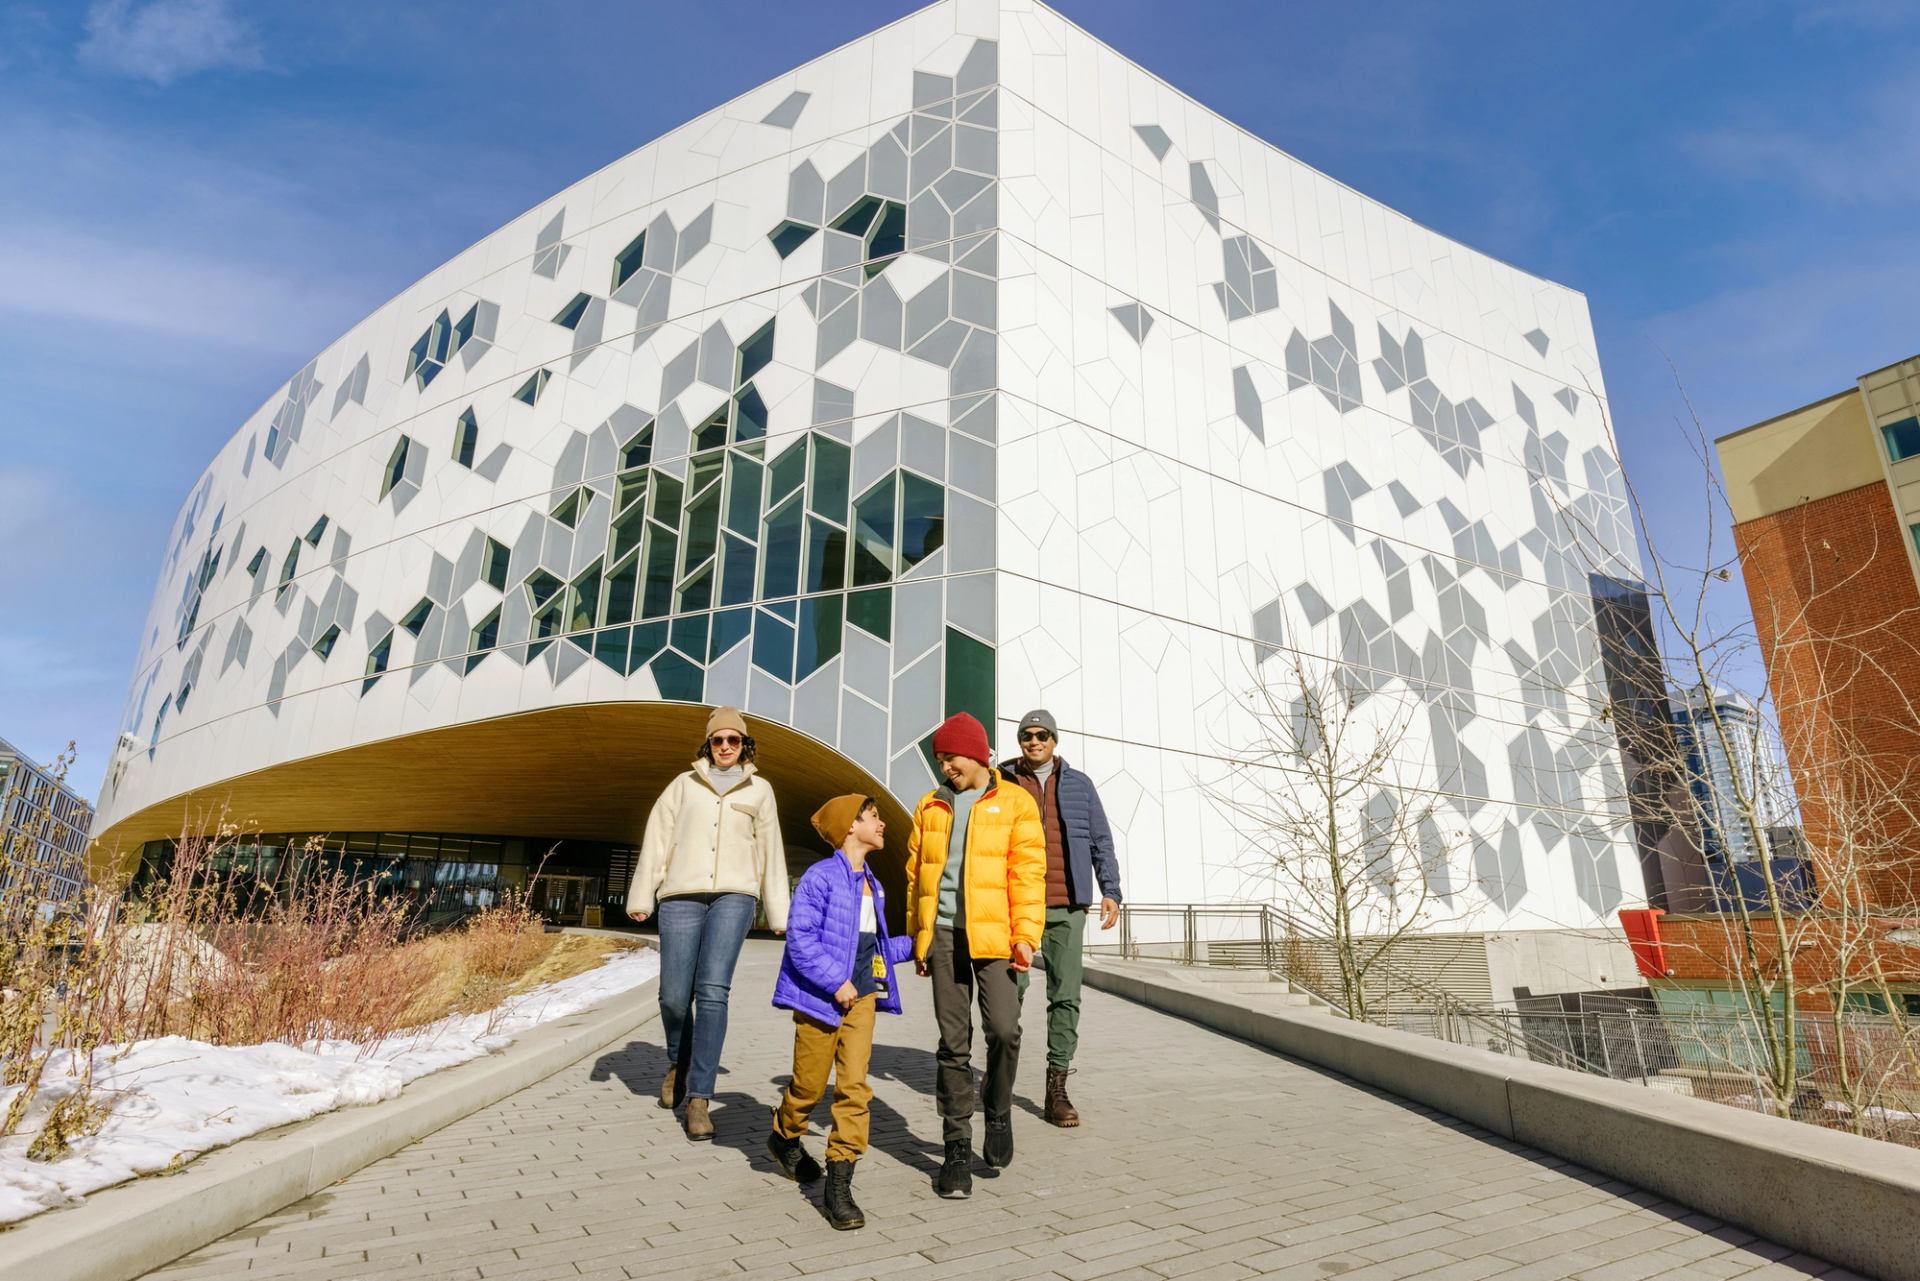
(958, 980)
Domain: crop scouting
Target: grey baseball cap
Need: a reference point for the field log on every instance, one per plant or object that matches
(1039, 718)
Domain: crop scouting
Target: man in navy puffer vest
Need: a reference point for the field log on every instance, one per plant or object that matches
(1079, 854)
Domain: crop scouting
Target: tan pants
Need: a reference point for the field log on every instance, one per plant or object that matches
(842, 1051)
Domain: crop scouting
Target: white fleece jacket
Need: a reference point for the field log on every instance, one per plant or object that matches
(700, 842)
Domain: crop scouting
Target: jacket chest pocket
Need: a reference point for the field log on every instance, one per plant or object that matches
(742, 821)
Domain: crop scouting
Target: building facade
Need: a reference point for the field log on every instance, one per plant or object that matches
(43, 831)
(1826, 504)
(967, 367)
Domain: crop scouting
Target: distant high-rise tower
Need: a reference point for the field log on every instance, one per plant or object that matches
(1729, 755)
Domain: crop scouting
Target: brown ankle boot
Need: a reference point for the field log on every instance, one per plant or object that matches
(1059, 1107)
(673, 1088)
(699, 1124)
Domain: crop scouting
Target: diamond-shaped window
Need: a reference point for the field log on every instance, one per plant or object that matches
(290, 565)
(317, 532)
(571, 314)
(888, 238)
(493, 564)
(790, 235)
(396, 466)
(638, 452)
(377, 659)
(324, 643)
(859, 216)
(482, 639)
(712, 433)
(463, 331)
(529, 392)
(541, 587)
(429, 354)
(756, 353)
(881, 226)
(571, 508)
(749, 415)
(416, 618)
(627, 261)
(466, 438)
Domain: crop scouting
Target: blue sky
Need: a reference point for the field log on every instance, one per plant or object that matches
(200, 194)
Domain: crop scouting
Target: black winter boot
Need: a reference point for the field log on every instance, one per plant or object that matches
(956, 1172)
(842, 1213)
(793, 1158)
(999, 1146)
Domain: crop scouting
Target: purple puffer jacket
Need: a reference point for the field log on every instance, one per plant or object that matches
(823, 940)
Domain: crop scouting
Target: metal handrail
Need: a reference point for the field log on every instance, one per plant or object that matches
(1492, 1023)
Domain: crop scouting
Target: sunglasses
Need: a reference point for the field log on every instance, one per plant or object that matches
(1035, 736)
(725, 740)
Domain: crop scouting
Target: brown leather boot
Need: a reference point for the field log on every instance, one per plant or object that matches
(1059, 1107)
(673, 1088)
(699, 1124)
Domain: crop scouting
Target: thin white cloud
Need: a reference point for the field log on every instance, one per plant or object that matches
(48, 271)
(1868, 155)
(167, 40)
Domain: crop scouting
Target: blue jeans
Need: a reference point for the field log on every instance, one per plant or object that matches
(700, 938)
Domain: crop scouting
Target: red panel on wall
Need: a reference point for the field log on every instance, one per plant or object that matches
(1642, 925)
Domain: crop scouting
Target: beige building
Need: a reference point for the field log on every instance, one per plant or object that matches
(1864, 437)
(43, 828)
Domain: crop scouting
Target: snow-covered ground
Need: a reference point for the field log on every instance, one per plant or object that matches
(174, 1099)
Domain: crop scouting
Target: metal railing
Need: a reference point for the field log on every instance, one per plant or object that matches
(1857, 1072)
(1263, 936)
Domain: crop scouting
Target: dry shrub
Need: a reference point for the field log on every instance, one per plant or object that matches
(211, 952)
(55, 961)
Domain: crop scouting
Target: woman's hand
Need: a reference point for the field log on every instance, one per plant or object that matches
(637, 917)
(919, 967)
(846, 996)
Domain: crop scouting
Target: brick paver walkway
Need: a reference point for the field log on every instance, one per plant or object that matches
(1202, 1158)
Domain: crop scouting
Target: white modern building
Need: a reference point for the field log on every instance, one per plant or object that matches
(969, 366)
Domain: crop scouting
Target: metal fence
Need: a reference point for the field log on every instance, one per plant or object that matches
(1855, 1072)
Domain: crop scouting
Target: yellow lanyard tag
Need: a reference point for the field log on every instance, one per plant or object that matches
(879, 966)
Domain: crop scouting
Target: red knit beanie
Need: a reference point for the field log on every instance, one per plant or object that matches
(962, 735)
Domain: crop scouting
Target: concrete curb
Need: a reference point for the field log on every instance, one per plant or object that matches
(1846, 1199)
(123, 1232)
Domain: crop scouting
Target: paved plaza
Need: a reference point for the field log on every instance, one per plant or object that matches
(1202, 1158)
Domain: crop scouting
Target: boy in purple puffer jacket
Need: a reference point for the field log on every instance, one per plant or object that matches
(836, 974)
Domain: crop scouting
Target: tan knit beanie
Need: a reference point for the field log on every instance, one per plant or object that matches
(726, 718)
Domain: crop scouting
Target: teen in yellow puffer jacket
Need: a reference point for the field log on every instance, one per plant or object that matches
(976, 908)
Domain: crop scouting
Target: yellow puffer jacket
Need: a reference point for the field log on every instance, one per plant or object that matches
(1004, 883)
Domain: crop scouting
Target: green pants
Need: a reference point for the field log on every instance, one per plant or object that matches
(1060, 951)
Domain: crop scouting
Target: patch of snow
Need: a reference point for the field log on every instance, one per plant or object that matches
(174, 1099)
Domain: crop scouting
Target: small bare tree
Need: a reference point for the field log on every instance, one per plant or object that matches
(1785, 946)
(1322, 800)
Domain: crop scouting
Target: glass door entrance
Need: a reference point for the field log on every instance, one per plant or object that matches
(562, 899)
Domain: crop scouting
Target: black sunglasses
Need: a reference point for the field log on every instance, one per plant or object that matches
(1034, 736)
(725, 740)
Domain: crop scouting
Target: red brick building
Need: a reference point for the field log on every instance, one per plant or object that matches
(1826, 504)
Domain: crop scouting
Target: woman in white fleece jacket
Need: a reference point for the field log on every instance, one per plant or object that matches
(711, 860)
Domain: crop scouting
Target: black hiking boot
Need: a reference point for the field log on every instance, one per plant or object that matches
(955, 1182)
(793, 1158)
(842, 1213)
(998, 1149)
